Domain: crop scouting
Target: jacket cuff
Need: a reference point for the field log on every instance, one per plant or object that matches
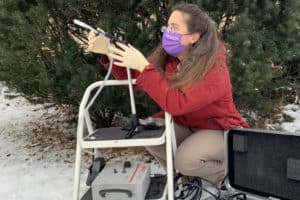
(104, 60)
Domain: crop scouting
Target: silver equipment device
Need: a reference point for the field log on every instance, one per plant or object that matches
(124, 181)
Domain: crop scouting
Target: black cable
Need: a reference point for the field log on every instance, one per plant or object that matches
(223, 181)
(209, 192)
(193, 189)
(240, 196)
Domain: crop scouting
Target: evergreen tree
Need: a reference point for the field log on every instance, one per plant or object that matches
(39, 58)
(265, 33)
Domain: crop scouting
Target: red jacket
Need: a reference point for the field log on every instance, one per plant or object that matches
(206, 105)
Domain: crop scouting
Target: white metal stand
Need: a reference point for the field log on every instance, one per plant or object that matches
(167, 137)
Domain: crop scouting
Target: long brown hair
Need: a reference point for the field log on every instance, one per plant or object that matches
(202, 54)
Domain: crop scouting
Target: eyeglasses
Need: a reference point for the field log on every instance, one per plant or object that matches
(165, 28)
(171, 29)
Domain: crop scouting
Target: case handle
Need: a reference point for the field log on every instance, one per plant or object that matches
(103, 192)
(240, 143)
(293, 169)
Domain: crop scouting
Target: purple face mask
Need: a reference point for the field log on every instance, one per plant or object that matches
(171, 43)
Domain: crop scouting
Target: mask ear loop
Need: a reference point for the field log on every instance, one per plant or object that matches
(201, 36)
(195, 43)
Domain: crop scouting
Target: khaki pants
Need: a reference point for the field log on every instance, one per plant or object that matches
(199, 153)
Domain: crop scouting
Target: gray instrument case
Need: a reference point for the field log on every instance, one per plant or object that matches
(116, 182)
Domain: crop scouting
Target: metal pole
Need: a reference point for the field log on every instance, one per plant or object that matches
(169, 155)
(132, 102)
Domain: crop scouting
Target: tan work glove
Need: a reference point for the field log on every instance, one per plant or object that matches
(128, 56)
(97, 44)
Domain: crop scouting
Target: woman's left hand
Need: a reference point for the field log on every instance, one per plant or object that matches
(128, 56)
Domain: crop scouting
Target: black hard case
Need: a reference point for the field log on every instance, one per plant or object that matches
(263, 164)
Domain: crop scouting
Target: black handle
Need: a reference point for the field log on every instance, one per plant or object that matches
(293, 169)
(103, 192)
(134, 129)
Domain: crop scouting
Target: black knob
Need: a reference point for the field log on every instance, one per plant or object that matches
(127, 164)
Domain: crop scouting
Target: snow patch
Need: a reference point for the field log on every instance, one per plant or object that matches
(293, 111)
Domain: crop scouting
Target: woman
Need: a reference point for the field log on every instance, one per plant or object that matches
(187, 77)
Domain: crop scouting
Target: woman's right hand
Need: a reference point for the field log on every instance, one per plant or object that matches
(97, 44)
